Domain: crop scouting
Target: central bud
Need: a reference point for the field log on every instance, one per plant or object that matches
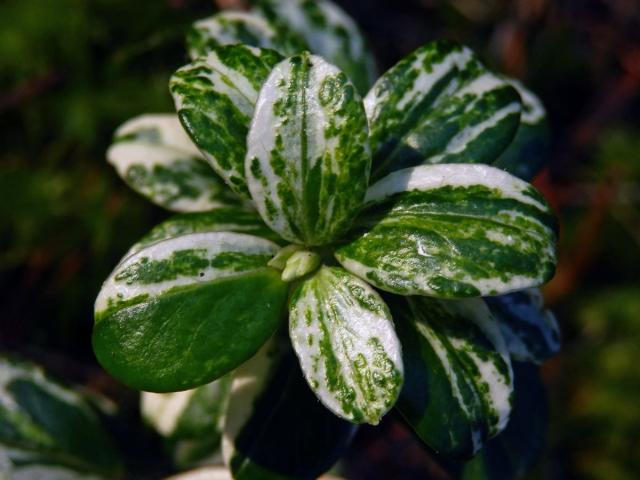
(295, 262)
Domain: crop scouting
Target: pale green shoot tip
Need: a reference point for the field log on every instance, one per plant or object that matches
(300, 264)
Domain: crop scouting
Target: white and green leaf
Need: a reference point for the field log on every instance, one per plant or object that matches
(275, 428)
(156, 158)
(48, 428)
(513, 453)
(440, 105)
(452, 230)
(308, 157)
(234, 27)
(175, 315)
(238, 220)
(458, 381)
(529, 150)
(215, 98)
(531, 331)
(330, 33)
(190, 421)
(343, 334)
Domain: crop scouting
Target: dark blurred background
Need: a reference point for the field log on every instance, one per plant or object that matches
(72, 70)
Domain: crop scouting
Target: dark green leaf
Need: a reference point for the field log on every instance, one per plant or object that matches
(175, 315)
(458, 379)
(530, 149)
(440, 105)
(275, 427)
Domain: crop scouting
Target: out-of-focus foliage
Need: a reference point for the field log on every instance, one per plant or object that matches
(603, 422)
(618, 152)
(190, 421)
(597, 420)
(70, 72)
(46, 425)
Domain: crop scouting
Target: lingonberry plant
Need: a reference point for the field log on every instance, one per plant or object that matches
(393, 236)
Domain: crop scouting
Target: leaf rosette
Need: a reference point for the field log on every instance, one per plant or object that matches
(336, 207)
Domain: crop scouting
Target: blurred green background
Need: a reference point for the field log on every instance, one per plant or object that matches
(72, 70)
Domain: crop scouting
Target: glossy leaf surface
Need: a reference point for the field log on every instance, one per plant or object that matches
(531, 331)
(175, 315)
(530, 148)
(452, 231)
(440, 105)
(308, 159)
(330, 33)
(275, 427)
(343, 334)
(458, 377)
(230, 27)
(156, 158)
(215, 97)
(48, 429)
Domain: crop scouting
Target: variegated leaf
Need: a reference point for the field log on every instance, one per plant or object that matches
(329, 31)
(191, 420)
(157, 159)
(529, 150)
(215, 97)
(275, 428)
(308, 157)
(440, 105)
(531, 331)
(343, 335)
(232, 27)
(516, 450)
(238, 220)
(175, 315)
(452, 230)
(458, 381)
(48, 429)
